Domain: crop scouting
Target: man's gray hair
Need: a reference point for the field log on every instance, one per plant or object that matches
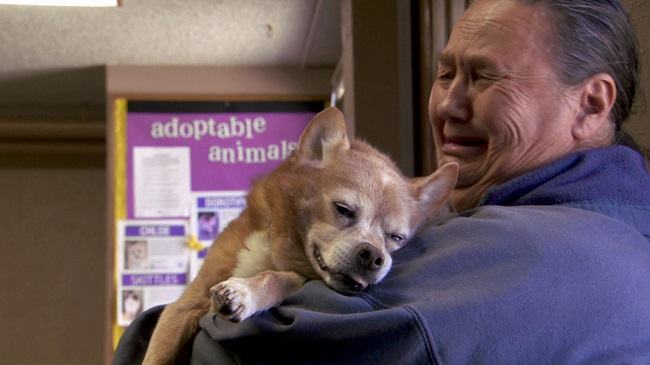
(591, 37)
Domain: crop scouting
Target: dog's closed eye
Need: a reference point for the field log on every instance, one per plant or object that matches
(343, 210)
(395, 241)
(397, 237)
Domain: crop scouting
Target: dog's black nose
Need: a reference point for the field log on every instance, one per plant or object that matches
(370, 258)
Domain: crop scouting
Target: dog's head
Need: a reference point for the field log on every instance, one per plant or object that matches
(363, 208)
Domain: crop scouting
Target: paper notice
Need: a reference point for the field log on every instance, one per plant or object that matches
(161, 177)
(152, 265)
(211, 214)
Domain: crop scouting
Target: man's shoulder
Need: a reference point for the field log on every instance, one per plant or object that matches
(535, 240)
(535, 276)
(535, 224)
(548, 237)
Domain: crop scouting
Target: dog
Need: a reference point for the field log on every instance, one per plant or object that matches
(335, 210)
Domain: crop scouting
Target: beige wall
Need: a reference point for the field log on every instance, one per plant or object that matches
(639, 123)
(52, 265)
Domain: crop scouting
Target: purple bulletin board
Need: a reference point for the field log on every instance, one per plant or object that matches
(230, 143)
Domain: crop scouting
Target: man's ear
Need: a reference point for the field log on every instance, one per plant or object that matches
(433, 191)
(597, 97)
(324, 136)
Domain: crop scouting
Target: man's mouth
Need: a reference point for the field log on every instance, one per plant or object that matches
(350, 284)
(463, 146)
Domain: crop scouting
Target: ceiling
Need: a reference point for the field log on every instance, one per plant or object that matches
(53, 57)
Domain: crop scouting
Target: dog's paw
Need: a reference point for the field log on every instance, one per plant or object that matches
(233, 300)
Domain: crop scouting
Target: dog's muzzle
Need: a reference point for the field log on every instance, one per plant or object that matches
(367, 261)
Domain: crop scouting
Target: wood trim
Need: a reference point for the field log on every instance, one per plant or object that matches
(21, 130)
(436, 20)
(347, 65)
(110, 233)
(231, 97)
(28, 143)
(218, 83)
(423, 79)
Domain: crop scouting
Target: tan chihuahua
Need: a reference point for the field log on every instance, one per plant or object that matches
(334, 211)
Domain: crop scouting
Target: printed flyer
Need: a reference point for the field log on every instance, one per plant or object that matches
(211, 213)
(152, 265)
(161, 181)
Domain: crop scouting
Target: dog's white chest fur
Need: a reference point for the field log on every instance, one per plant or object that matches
(255, 257)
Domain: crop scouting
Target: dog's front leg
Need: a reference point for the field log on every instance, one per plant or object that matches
(239, 298)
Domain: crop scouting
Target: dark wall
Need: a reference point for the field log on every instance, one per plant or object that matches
(383, 107)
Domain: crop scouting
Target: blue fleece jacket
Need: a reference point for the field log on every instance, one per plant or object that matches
(552, 268)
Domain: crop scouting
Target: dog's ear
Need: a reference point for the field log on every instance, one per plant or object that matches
(324, 135)
(433, 191)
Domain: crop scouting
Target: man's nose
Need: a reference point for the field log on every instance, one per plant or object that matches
(455, 105)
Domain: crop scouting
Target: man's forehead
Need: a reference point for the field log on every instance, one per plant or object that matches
(496, 23)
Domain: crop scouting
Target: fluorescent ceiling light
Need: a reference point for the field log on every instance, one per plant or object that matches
(61, 2)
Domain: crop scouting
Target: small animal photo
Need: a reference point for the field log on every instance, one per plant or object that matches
(131, 304)
(208, 225)
(136, 255)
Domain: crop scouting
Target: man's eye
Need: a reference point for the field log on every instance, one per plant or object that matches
(343, 210)
(445, 76)
(445, 73)
(482, 77)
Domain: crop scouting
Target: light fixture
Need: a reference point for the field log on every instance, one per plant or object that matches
(62, 2)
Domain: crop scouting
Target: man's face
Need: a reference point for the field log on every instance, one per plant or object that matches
(496, 105)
